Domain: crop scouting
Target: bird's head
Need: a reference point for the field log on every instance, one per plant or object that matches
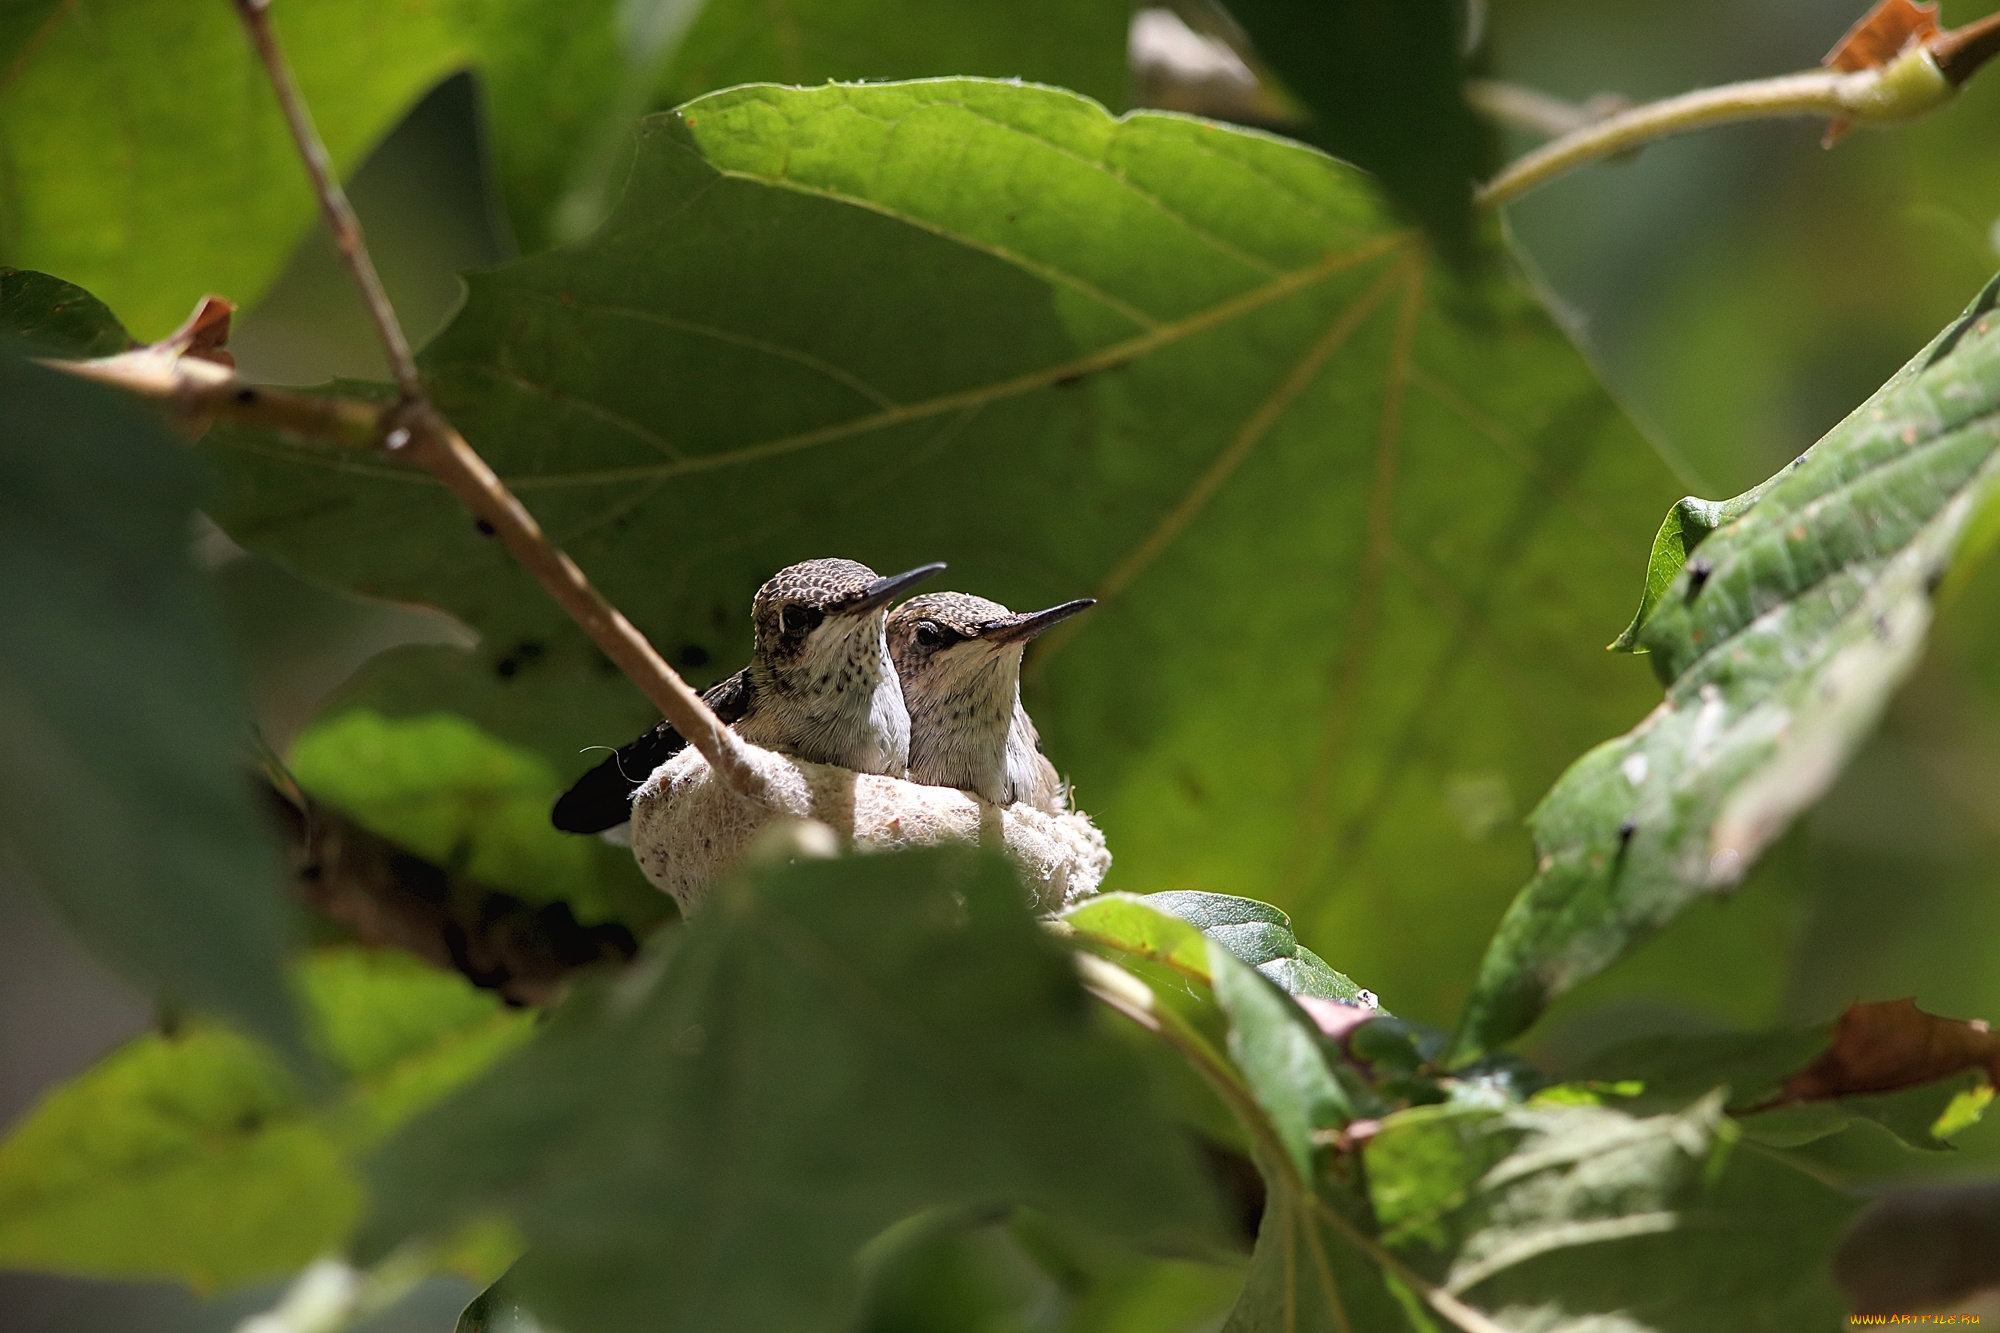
(951, 643)
(814, 616)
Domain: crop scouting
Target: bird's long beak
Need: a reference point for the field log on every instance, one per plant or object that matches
(884, 591)
(1021, 628)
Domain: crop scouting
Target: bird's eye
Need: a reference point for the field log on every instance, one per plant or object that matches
(799, 621)
(927, 634)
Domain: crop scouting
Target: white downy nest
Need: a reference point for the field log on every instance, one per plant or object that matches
(690, 828)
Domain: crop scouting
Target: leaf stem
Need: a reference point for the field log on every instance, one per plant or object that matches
(1906, 87)
(1130, 996)
(1468, 1319)
(417, 430)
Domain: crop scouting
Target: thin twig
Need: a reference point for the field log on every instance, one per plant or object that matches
(196, 390)
(414, 429)
(1908, 86)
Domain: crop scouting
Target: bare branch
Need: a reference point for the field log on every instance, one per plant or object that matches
(1906, 87)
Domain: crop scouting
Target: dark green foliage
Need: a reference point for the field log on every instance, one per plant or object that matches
(55, 318)
(123, 798)
(1383, 80)
(894, 1031)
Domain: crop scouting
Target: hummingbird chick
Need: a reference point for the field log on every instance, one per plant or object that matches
(820, 686)
(960, 660)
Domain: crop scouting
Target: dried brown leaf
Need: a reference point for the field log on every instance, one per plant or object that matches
(1892, 1044)
(1882, 34)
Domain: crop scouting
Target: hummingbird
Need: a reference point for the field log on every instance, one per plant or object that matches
(960, 660)
(820, 686)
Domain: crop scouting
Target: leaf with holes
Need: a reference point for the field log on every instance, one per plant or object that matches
(1562, 1218)
(1794, 613)
(1197, 372)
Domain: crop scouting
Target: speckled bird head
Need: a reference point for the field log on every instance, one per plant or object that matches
(825, 688)
(959, 658)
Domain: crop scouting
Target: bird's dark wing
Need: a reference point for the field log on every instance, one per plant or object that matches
(602, 798)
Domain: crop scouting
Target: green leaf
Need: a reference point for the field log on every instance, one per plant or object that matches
(1277, 1048)
(1565, 1218)
(460, 798)
(1781, 642)
(1152, 359)
(947, 1274)
(1262, 937)
(56, 318)
(196, 1157)
(1174, 927)
(128, 129)
(1075, 44)
(122, 798)
(147, 160)
(1384, 82)
(826, 1050)
(1308, 1276)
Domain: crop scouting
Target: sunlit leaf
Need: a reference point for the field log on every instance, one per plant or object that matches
(195, 1157)
(1196, 372)
(1799, 609)
(148, 162)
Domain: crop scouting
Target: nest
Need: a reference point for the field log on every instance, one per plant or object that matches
(690, 828)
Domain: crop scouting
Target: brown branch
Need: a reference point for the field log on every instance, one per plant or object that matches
(391, 897)
(198, 391)
(416, 430)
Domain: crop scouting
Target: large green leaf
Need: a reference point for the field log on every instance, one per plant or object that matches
(122, 794)
(1562, 1219)
(1799, 609)
(1383, 81)
(193, 1156)
(147, 160)
(1194, 370)
(1075, 44)
(828, 1049)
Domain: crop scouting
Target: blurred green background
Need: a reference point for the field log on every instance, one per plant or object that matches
(1741, 290)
